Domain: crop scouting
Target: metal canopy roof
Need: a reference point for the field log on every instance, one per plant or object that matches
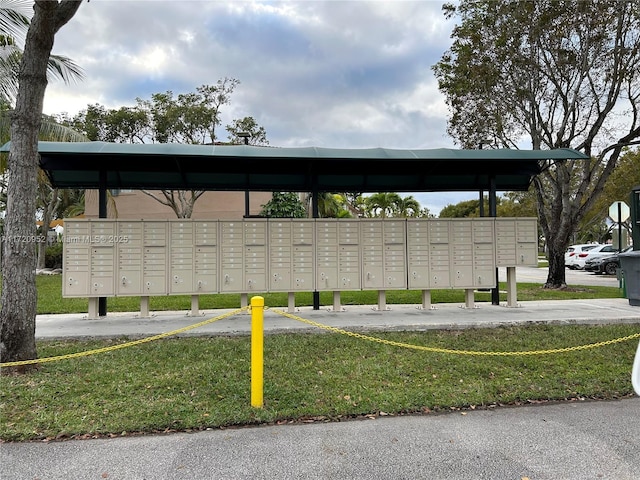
(230, 167)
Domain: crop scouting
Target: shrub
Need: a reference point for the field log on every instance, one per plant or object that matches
(53, 256)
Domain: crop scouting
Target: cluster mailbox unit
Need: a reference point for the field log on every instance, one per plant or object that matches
(192, 257)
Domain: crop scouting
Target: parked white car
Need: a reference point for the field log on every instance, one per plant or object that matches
(597, 251)
(572, 253)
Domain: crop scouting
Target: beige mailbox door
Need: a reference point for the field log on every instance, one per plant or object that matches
(255, 255)
(181, 256)
(418, 250)
(154, 258)
(372, 240)
(75, 265)
(206, 257)
(439, 255)
(484, 271)
(527, 241)
(461, 253)
(129, 266)
(302, 233)
(326, 255)
(516, 242)
(395, 254)
(103, 236)
(349, 263)
(280, 255)
(231, 256)
(505, 242)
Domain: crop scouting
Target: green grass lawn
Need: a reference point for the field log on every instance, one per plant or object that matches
(198, 383)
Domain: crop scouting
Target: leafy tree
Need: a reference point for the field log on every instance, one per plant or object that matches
(181, 202)
(284, 205)
(558, 73)
(466, 208)
(188, 118)
(623, 179)
(425, 213)
(191, 117)
(257, 135)
(91, 122)
(18, 301)
(354, 203)
(517, 204)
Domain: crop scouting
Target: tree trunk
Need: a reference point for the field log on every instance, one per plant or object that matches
(557, 273)
(49, 208)
(19, 296)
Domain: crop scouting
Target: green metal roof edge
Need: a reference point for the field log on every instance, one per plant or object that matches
(107, 148)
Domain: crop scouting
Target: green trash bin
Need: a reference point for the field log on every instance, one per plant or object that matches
(630, 265)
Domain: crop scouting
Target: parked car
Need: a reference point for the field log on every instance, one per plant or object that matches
(570, 256)
(605, 264)
(595, 252)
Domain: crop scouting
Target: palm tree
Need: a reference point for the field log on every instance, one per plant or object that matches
(382, 204)
(407, 207)
(14, 22)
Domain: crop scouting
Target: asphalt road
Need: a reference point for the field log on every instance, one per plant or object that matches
(573, 277)
(577, 440)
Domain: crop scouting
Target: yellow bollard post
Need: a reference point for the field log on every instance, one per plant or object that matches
(257, 350)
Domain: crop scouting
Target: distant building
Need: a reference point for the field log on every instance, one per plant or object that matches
(134, 204)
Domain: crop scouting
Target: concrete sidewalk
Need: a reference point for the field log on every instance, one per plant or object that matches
(360, 318)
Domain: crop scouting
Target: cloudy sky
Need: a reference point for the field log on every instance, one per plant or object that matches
(353, 74)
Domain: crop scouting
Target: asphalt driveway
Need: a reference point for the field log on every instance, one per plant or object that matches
(575, 440)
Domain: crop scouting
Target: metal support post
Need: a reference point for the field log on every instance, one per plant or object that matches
(257, 352)
(195, 305)
(144, 307)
